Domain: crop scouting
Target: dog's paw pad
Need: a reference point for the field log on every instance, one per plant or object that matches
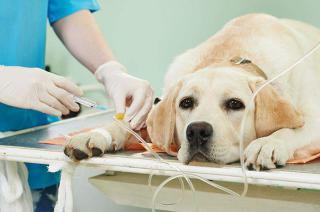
(87, 145)
(96, 151)
(250, 167)
(79, 155)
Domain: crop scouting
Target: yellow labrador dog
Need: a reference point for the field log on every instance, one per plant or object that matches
(207, 89)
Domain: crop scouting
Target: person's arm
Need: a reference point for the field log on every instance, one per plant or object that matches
(81, 35)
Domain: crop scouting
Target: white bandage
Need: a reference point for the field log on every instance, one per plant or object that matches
(105, 134)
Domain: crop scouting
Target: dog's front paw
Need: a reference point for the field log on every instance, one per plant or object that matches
(266, 153)
(87, 145)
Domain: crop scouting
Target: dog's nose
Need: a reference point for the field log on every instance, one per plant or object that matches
(199, 133)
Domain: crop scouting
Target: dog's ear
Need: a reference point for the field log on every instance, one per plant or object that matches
(272, 111)
(161, 120)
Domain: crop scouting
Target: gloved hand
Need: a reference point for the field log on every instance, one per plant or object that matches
(124, 88)
(33, 88)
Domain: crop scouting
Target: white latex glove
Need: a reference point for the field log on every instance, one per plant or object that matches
(33, 88)
(121, 87)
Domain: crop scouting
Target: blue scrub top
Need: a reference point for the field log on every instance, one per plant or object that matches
(22, 43)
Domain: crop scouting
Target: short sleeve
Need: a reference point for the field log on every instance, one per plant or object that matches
(58, 9)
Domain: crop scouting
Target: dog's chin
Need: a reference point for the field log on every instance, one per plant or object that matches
(227, 157)
(198, 156)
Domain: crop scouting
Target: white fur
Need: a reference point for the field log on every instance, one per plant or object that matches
(285, 42)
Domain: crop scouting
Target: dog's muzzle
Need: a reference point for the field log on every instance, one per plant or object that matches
(198, 135)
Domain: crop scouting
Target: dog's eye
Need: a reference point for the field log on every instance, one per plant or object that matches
(234, 104)
(187, 103)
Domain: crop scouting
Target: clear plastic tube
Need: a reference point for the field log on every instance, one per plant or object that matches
(147, 147)
(182, 186)
(229, 191)
(250, 106)
(187, 176)
(182, 173)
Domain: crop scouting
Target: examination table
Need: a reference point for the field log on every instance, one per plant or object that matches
(292, 188)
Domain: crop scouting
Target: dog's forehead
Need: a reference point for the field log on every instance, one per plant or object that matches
(220, 79)
(227, 72)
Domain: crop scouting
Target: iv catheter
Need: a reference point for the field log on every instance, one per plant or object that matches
(91, 104)
(88, 103)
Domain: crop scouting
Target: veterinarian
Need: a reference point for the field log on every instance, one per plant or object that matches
(28, 93)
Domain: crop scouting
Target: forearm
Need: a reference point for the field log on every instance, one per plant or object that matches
(81, 36)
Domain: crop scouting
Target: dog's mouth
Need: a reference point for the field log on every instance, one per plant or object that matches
(197, 156)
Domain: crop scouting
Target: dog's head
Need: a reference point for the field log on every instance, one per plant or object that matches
(202, 114)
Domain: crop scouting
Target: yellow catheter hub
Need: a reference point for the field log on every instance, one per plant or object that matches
(119, 116)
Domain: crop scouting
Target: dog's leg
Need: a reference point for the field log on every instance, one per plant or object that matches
(96, 142)
(276, 149)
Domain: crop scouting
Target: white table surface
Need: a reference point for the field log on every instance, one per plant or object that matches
(24, 147)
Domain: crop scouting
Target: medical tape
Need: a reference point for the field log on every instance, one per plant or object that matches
(105, 134)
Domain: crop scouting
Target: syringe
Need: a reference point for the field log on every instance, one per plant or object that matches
(88, 103)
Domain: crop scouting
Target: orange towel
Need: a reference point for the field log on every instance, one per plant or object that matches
(301, 156)
(306, 154)
(132, 145)
(61, 140)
